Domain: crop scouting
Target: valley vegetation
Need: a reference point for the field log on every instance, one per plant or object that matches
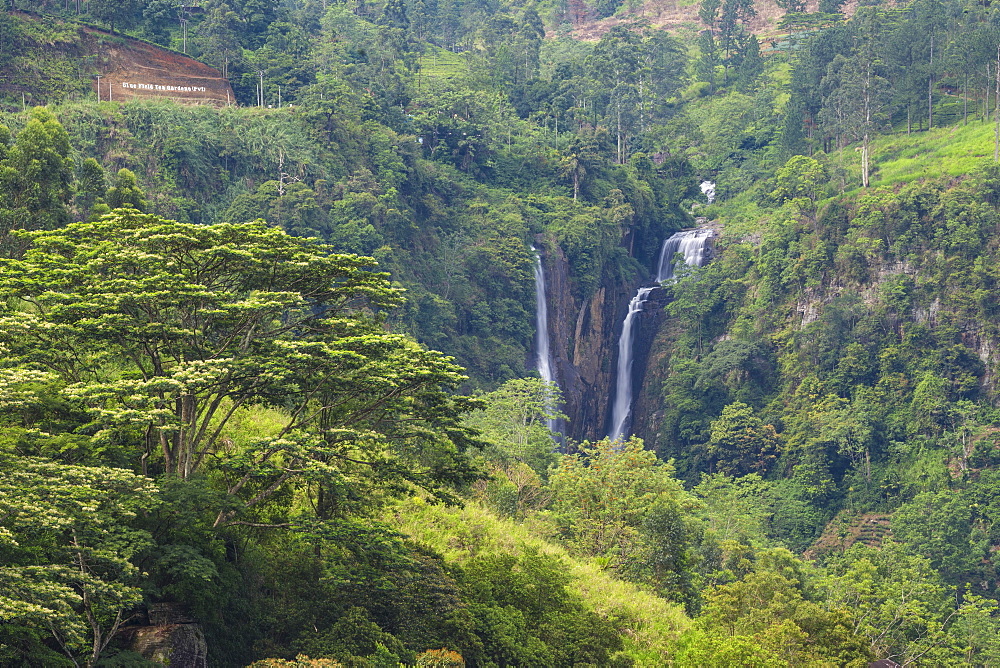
(219, 371)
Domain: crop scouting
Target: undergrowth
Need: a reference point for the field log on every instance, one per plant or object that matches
(460, 534)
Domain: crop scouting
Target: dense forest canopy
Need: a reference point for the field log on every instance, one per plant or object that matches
(220, 387)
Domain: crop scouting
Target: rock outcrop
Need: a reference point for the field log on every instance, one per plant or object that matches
(171, 639)
(584, 341)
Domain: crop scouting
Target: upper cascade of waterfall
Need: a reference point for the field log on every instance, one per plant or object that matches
(693, 244)
(708, 190)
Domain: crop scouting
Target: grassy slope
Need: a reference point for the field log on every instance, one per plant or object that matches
(441, 64)
(953, 151)
(949, 151)
(462, 533)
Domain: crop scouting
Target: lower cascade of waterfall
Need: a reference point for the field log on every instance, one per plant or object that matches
(623, 379)
(543, 353)
(693, 245)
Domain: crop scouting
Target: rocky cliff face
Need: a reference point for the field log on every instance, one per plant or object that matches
(584, 338)
(572, 337)
(171, 645)
(593, 359)
(584, 341)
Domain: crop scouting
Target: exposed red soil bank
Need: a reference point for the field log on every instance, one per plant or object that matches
(53, 66)
(133, 69)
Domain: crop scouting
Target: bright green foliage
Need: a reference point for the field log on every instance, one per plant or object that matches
(701, 648)
(773, 610)
(125, 193)
(893, 599)
(871, 396)
(619, 503)
(253, 371)
(352, 585)
(649, 622)
(735, 509)
(602, 494)
(68, 552)
(976, 632)
(667, 559)
(526, 616)
(332, 167)
(942, 527)
(514, 419)
(353, 636)
(361, 593)
(800, 181)
(862, 329)
(847, 324)
(35, 176)
(167, 330)
(740, 442)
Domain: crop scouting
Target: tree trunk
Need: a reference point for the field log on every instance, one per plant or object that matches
(965, 99)
(930, 90)
(996, 113)
(864, 161)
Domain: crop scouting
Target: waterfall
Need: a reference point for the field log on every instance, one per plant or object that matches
(623, 379)
(708, 190)
(692, 244)
(543, 353)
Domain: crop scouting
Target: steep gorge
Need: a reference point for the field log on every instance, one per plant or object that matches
(615, 326)
(582, 336)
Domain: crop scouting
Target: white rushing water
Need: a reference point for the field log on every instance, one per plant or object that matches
(708, 190)
(693, 245)
(623, 379)
(543, 353)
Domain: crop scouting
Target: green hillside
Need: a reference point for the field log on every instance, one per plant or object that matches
(271, 376)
